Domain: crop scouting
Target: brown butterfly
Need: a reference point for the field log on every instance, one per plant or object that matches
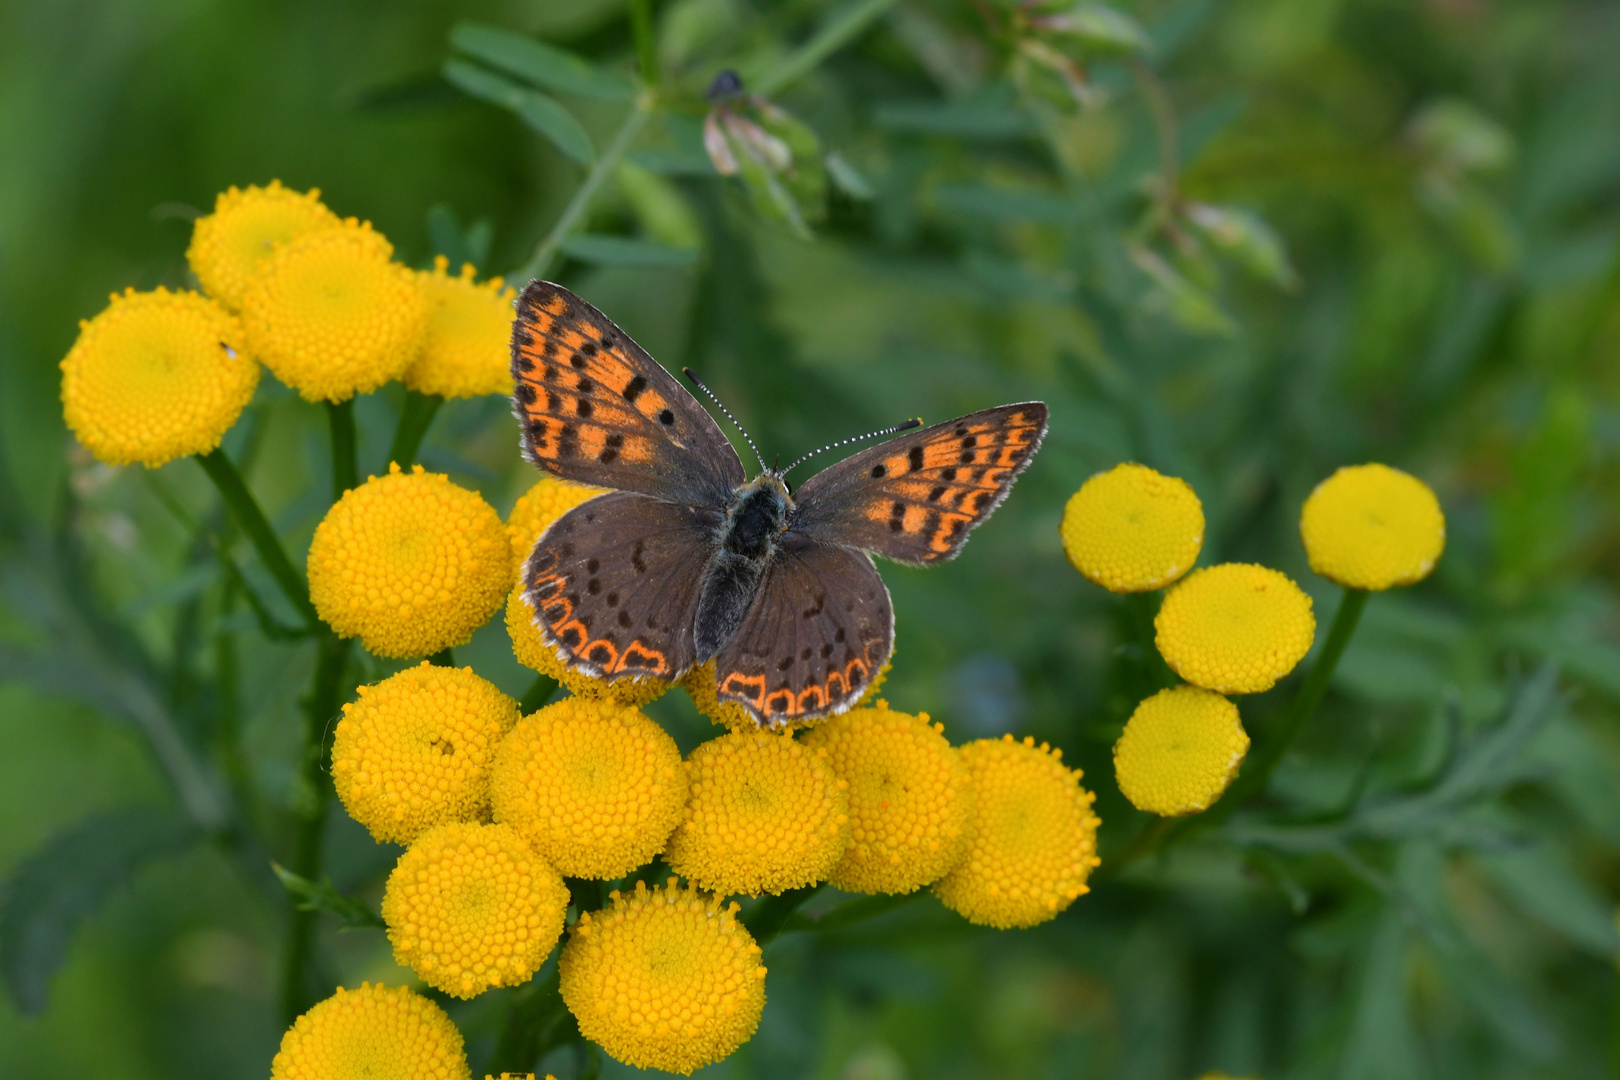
(688, 560)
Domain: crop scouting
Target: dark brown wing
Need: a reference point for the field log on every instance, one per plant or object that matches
(819, 630)
(596, 409)
(614, 585)
(915, 498)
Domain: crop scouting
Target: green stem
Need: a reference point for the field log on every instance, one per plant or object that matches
(345, 468)
(534, 1013)
(540, 691)
(641, 26)
(414, 420)
(320, 708)
(1141, 610)
(828, 40)
(247, 515)
(540, 262)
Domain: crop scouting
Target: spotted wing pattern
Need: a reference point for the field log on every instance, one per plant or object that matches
(614, 585)
(597, 409)
(915, 498)
(819, 630)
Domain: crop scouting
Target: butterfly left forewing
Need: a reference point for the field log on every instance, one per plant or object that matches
(818, 632)
(915, 498)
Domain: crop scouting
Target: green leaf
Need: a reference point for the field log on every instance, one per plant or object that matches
(1247, 240)
(1193, 309)
(1541, 881)
(322, 896)
(1098, 26)
(538, 63)
(542, 113)
(64, 881)
(848, 179)
(966, 120)
(625, 251)
(458, 245)
(673, 160)
(1007, 204)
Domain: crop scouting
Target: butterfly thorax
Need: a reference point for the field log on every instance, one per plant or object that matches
(755, 522)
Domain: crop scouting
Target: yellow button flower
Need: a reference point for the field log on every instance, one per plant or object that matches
(1180, 750)
(466, 350)
(1235, 628)
(1033, 840)
(908, 798)
(409, 563)
(765, 815)
(332, 316)
(700, 686)
(156, 376)
(663, 979)
(228, 245)
(535, 510)
(368, 1033)
(470, 907)
(594, 787)
(532, 652)
(1373, 527)
(1132, 530)
(417, 748)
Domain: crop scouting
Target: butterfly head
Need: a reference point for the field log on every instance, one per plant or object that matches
(757, 516)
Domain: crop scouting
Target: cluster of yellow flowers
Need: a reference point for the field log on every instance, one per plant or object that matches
(1234, 628)
(284, 282)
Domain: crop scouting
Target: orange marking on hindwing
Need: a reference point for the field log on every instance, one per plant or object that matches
(601, 652)
(641, 657)
(805, 705)
(750, 688)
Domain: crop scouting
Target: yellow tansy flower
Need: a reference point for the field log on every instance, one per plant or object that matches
(156, 376)
(470, 907)
(466, 350)
(595, 787)
(1373, 527)
(908, 798)
(228, 246)
(535, 510)
(663, 979)
(532, 652)
(700, 686)
(1235, 628)
(1180, 750)
(1033, 840)
(765, 815)
(371, 1032)
(1132, 530)
(416, 750)
(409, 563)
(332, 316)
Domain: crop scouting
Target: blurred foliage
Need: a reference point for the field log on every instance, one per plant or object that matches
(1241, 242)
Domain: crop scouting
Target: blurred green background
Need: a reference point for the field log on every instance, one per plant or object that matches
(1445, 177)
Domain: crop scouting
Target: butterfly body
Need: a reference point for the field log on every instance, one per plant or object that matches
(689, 561)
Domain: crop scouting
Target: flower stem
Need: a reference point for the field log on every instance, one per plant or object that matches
(414, 421)
(535, 1010)
(540, 262)
(345, 469)
(828, 40)
(641, 26)
(247, 515)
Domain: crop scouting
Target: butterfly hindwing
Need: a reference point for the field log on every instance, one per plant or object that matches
(915, 498)
(614, 584)
(819, 630)
(597, 409)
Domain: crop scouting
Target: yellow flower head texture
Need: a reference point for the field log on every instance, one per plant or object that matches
(1235, 628)
(664, 978)
(532, 651)
(1372, 527)
(416, 749)
(229, 245)
(765, 815)
(470, 907)
(156, 376)
(332, 316)
(908, 798)
(1033, 841)
(595, 787)
(409, 563)
(1132, 530)
(1180, 750)
(368, 1033)
(466, 349)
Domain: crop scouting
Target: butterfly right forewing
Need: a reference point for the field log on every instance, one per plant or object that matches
(597, 409)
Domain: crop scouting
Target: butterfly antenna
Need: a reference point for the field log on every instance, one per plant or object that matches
(690, 374)
(907, 426)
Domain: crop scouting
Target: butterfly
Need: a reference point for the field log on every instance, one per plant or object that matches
(687, 560)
